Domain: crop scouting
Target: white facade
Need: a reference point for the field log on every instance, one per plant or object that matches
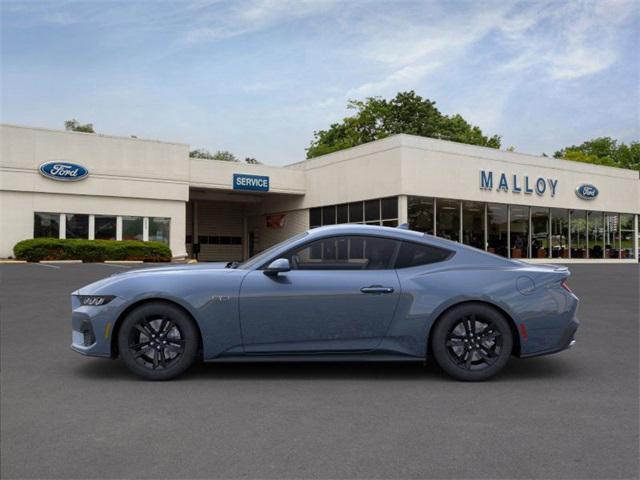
(143, 179)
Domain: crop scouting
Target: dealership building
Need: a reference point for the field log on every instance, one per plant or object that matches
(78, 185)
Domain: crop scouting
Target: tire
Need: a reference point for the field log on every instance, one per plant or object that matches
(472, 342)
(158, 341)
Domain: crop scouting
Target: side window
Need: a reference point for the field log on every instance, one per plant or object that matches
(415, 254)
(345, 253)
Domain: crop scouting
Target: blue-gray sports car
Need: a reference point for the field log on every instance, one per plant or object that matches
(339, 293)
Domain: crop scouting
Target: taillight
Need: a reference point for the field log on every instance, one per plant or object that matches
(565, 285)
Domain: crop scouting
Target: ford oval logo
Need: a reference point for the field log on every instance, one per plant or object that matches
(586, 191)
(63, 171)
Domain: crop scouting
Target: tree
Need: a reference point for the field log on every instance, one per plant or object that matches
(219, 155)
(75, 126)
(224, 155)
(252, 161)
(604, 151)
(201, 153)
(377, 118)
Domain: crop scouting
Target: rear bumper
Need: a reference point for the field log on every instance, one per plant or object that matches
(567, 340)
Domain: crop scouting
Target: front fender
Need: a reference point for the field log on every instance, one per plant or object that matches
(210, 297)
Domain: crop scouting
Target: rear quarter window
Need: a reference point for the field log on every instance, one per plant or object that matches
(416, 254)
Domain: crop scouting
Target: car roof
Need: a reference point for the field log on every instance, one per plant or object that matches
(376, 230)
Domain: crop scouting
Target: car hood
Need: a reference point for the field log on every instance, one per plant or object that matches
(103, 286)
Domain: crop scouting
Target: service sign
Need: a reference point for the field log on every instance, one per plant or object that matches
(63, 171)
(586, 191)
(257, 183)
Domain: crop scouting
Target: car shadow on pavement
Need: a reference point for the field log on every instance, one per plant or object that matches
(516, 370)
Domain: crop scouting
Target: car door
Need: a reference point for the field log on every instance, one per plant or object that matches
(339, 296)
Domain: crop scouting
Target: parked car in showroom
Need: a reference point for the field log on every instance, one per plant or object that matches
(342, 293)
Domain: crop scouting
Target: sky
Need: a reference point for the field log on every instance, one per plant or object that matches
(258, 77)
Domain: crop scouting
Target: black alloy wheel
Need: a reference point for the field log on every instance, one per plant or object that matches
(472, 342)
(158, 341)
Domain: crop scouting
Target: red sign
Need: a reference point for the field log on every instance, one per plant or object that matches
(276, 220)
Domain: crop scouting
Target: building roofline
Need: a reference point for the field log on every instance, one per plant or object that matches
(117, 137)
(448, 146)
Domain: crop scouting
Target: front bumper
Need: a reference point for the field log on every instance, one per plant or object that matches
(92, 327)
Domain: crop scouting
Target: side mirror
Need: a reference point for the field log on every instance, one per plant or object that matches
(277, 266)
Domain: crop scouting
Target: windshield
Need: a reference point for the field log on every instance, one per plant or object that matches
(263, 256)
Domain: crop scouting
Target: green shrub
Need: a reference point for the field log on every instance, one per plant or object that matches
(36, 249)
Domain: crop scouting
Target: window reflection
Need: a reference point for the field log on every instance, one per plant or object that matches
(105, 227)
(559, 233)
(379, 211)
(595, 235)
(519, 231)
(448, 219)
(626, 236)
(46, 225)
(473, 224)
(611, 235)
(578, 234)
(515, 231)
(420, 213)
(497, 228)
(132, 228)
(539, 232)
(77, 226)
(159, 230)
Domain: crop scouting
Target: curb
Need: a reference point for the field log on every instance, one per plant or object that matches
(60, 261)
(123, 261)
(8, 261)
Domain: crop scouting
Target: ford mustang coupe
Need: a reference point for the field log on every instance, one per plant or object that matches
(339, 293)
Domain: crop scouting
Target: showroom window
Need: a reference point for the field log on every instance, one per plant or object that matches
(539, 232)
(329, 215)
(626, 236)
(519, 232)
(380, 211)
(132, 228)
(420, 214)
(46, 225)
(159, 229)
(105, 227)
(595, 235)
(497, 229)
(611, 235)
(77, 226)
(473, 224)
(448, 219)
(559, 233)
(578, 234)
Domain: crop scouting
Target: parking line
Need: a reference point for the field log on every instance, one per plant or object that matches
(46, 265)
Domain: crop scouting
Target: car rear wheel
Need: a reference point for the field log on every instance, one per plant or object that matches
(158, 341)
(472, 342)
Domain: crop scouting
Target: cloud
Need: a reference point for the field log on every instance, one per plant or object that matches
(251, 16)
(568, 40)
(400, 79)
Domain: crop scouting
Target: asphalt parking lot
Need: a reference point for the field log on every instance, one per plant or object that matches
(570, 415)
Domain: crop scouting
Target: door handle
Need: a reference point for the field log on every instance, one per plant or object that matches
(376, 289)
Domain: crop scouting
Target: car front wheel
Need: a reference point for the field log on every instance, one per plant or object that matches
(472, 342)
(158, 341)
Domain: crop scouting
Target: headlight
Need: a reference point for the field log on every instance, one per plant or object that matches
(95, 300)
